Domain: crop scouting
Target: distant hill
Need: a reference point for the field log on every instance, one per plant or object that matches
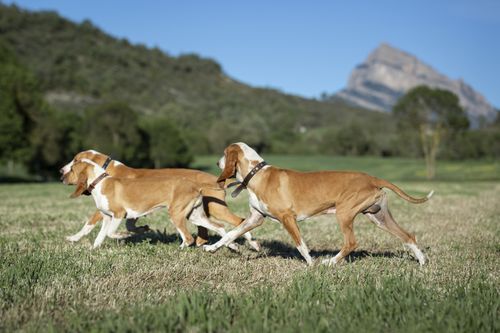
(78, 65)
(388, 73)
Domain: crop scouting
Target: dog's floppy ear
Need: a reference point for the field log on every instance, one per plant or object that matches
(81, 186)
(231, 156)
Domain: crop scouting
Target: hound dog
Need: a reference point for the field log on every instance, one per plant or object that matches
(118, 198)
(289, 196)
(213, 195)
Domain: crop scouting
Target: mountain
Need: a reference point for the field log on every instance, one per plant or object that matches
(80, 66)
(388, 73)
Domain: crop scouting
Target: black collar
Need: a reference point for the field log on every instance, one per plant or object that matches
(245, 181)
(105, 165)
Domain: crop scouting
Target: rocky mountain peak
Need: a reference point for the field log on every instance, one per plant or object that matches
(388, 73)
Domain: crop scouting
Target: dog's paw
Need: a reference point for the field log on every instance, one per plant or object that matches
(209, 248)
(200, 241)
(73, 238)
(184, 245)
(233, 246)
(255, 245)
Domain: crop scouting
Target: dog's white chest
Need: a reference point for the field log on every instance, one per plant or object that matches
(101, 201)
(258, 205)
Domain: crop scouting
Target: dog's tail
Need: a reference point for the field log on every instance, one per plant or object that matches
(384, 183)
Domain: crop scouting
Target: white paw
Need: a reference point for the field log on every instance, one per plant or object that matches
(328, 262)
(255, 245)
(184, 245)
(421, 260)
(209, 248)
(73, 238)
(233, 246)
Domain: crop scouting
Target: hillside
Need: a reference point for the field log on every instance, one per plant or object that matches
(78, 65)
(388, 73)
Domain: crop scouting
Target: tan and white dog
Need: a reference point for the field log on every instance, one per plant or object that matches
(119, 198)
(289, 196)
(213, 195)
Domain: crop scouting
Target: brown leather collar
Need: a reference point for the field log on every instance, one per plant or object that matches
(104, 166)
(96, 181)
(245, 181)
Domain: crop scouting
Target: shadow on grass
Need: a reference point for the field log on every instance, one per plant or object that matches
(283, 250)
(271, 248)
(158, 236)
(153, 237)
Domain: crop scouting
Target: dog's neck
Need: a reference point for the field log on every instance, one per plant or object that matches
(117, 169)
(96, 172)
(251, 159)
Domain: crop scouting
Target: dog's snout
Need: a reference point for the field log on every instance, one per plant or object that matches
(61, 171)
(218, 164)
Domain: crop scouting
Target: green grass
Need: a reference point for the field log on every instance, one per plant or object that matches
(148, 283)
(388, 168)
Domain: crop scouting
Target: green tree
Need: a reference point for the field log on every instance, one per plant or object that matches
(113, 129)
(27, 123)
(15, 84)
(427, 116)
(166, 145)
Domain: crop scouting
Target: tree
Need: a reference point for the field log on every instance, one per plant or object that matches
(27, 123)
(113, 129)
(166, 146)
(429, 115)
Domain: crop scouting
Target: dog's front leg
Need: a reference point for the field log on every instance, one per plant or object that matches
(253, 221)
(290, 224)
(87, 227)
(112, 227)
(102, 233)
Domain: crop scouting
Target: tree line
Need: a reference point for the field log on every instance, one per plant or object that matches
(42, 138)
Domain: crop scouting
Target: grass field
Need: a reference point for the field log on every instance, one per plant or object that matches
(148, 283)
(406, 169)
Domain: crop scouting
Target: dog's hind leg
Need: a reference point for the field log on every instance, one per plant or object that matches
(216, 207)
(87, 228)
(179, 220)
(198, 218)
(253, 221)
(384, 220)
(346, 220)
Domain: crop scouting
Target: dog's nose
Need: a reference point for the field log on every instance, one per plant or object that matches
(217, 164)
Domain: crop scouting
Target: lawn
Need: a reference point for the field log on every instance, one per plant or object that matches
(148, 283)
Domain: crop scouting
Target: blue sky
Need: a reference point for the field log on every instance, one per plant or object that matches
(306, 47)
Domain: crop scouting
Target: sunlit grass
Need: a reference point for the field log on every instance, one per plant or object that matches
(148, 283)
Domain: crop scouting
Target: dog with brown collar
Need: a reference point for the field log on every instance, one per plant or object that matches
(288, 196)
(119, 198)
(213, 195)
